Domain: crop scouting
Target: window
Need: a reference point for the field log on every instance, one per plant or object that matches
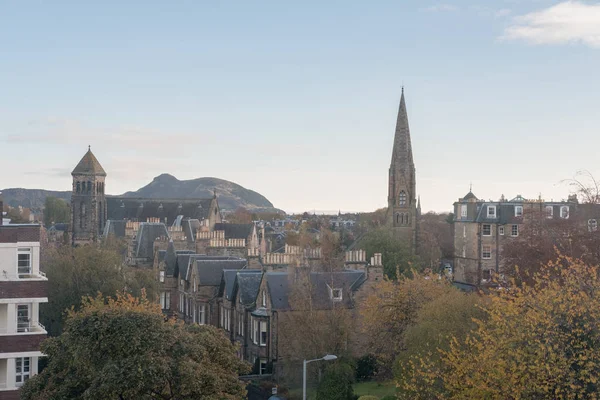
(24, 262)
(263, 367)
(402, 198)
(194, 313)
(241, 324)
(165, 300)
(264, 298)
(487, 230)
(486, 251)
(491, 211)
(518, 211)
(181, 303)
(486, 275)
(336, 294)
(222, 317)
(78, 187)
(514, 230)
(202, 314)
(263, 333)
(463, 211)
(564, 212)
(23, 324)
(162, 276)
(22, 370)
(501, 230)
(549, 211)
(592, 225)
(255, 329)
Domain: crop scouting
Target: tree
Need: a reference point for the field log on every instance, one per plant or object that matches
(240, 216)
(538, 341)
(392, 308)
(337, 383)
(124, 349)
(585, 186)
(435, 239)
(84, 271)
(450, 315)
(56, 211)
(396, 256)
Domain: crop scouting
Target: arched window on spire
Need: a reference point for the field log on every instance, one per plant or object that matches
(402, 198)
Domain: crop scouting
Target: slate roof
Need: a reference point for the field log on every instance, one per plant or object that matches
(172, 257)
(230, 282)
(62, 227)
(235, 231)
(470, 196)
(348, 280)
(115, 227)
(210, 269)
(89, 165)
(147, 234)
(140, 209)
(248, 284)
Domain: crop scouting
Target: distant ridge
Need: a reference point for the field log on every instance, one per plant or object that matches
(231, 195)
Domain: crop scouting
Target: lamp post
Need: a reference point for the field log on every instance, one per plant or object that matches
(328, 357)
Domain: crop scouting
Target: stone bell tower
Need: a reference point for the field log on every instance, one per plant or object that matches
(88, 201)
(402, 197)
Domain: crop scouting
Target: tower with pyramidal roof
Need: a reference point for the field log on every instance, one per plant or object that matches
(402, 213)
(88, 201)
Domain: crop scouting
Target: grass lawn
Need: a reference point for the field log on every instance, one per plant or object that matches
(378, 389)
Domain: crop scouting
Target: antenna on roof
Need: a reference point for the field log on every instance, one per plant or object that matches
(89, 147)
(470, 186)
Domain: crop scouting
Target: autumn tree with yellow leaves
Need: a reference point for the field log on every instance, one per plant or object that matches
(537, 341)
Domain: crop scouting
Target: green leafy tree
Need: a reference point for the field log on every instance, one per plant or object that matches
(396, 255)
(124, 349)
(84, 271)
(56, 211)
(337, 383)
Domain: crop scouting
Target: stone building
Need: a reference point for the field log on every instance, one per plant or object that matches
(88, 200)
(403, 210)
(482, 230)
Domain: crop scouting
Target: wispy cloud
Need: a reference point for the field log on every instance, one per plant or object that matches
(440, 8)
(484, 11)
(563, 23)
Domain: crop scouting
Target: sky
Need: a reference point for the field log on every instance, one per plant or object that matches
(298, 100)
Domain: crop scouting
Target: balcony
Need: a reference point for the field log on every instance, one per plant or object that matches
(27, 339)
(23, 275)
(31, 327)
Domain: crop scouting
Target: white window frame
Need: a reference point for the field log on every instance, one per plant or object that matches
(514, 230)
(489, 230)
(402, 198)
(23, 271)
(549, 211)
(201, 314)
(486, 255)
(564, 212)
(592, 225)
(22, 370)
(264, 298)
(501, 230)
(337, 294)
(518, 211)
(263, 333)
(256, 332)
(23, 324)
(165, 300)
(489, 214)
(161, 276)
(181, 299)
(463, 211)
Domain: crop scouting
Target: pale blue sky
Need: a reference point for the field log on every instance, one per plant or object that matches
(298, 100)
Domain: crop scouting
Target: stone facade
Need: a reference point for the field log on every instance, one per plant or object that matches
(88, 200)
(402, 213)
(482, 230)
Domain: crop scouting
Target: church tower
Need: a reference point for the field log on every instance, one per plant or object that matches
(88, 202)
(402, 197)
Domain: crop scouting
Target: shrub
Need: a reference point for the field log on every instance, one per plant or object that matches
(337, 383)
(388, 397)
(366, 368)
(368, 397)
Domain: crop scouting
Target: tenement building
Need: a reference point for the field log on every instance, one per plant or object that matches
(22, 288)
(483, 230)
(403, 210)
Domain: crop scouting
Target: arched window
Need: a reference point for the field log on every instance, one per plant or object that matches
(402, 198)
(406, 219)
(81, 214)
(101, 215)
(398, 218)
(89, 186)
(78, 187)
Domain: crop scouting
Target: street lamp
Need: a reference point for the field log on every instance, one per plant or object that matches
(328, 357)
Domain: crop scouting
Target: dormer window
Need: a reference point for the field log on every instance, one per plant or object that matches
(518, 211)
(564, 212)
(549, 211)
(491, 211)
(402, 198)
(463, 211)
(336, 294)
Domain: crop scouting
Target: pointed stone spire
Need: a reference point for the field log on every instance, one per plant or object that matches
(89, 165)
(402, 153)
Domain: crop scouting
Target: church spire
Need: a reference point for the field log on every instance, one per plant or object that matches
(402, 152)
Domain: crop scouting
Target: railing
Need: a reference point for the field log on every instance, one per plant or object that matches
(4, 275)
(23, 327)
